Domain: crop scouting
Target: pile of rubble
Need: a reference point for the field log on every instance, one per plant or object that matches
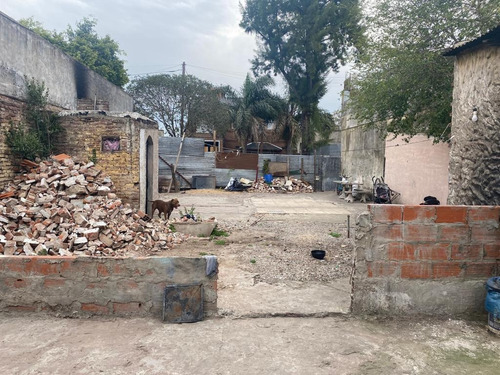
(281, 185)
(63, 207)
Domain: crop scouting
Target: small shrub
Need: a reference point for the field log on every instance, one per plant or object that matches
(24, 143)
(253, 261)
(219, 232)
(334, 234)
(172, 228)
(203, 253)
(220, 242)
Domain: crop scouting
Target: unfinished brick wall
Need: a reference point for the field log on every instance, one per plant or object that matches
(83, 138)
(80, 286)
(425, 259)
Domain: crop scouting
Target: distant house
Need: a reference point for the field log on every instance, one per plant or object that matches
(475, 145)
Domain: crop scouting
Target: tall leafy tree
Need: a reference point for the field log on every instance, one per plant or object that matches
(302, 40)
(181, 103)
(404, 84)
(101, 54)
(254, 108)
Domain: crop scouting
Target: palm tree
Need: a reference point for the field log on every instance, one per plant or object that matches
(256, 107)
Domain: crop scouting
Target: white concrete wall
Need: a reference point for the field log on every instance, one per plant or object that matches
(417, 169)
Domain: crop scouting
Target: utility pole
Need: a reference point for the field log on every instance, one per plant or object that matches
(182, 97)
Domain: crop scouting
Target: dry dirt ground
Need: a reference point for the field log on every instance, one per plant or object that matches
(280, 310)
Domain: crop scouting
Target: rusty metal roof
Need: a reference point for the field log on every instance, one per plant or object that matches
(491, 38)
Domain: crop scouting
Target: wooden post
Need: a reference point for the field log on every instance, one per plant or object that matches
(176, 162)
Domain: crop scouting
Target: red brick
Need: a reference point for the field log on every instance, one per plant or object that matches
(21, 308)
(15, 283)
(127, 307)
(454, 233)
(466, 252)
(421, 214)
(387, 213)
(388, 233)
(93, 308)
(420, 233)
(485, 234)
(446, 269)
(438, 251)
(49, 283)
(47, 268)
(451, 214)
(492, 251)
(415, 270)
(400, 251)
(479, 214)
(102, 270)
(481, 269)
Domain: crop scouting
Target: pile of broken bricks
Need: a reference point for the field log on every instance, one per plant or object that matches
(66, 208)
(281, 185)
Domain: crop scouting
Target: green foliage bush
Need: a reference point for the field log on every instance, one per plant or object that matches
(35, 137)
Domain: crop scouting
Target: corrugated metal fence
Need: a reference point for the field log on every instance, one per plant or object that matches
(320, 170)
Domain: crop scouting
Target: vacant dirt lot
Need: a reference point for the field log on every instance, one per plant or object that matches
(272, 235)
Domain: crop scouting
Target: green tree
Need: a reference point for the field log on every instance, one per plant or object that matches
(404, 84)
(167, 98)
(302, 40)
(84, 44)
(254, 108)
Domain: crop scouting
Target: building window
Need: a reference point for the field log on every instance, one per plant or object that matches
(110, 144)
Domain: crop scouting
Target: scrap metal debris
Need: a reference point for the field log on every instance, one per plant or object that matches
(67, 208)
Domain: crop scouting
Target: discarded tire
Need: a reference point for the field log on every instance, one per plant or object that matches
(492, 304)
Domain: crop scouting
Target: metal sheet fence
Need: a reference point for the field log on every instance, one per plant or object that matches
(320, 170)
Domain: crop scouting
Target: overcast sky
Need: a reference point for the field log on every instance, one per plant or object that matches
(158, 35)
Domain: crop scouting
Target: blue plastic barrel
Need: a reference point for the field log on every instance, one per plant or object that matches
(268, 178)
(492, 304)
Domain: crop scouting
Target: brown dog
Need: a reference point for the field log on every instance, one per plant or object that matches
(165, 207)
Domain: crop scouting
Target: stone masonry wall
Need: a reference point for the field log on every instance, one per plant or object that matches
(425, 259)
(81, 286)
(84, 132)
(475, 146)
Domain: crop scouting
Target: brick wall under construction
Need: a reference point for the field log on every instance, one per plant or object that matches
(425, 259)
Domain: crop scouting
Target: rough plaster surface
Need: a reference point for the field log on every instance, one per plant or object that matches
(475, 150)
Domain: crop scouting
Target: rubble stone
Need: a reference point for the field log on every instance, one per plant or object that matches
(63, 207)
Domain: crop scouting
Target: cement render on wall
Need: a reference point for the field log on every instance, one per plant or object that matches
(24, 53)
(80, 286)
(363, 154)
(475, 146)
(417, 169)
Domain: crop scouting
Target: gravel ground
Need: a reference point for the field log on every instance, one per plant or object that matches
(278, 250)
